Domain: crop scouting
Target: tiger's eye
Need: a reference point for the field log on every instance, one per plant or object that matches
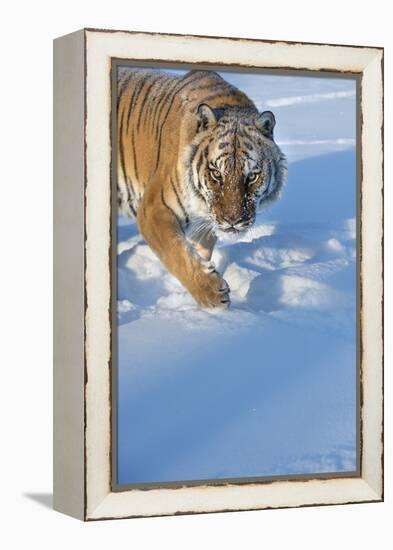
(215, 174)
(253, 177)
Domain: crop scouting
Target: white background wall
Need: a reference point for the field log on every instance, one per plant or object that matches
(25, 399)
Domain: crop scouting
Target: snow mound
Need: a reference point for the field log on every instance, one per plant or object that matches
(269, 270)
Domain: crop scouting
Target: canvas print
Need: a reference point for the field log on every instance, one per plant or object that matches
(235, 275)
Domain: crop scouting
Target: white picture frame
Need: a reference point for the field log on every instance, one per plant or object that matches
(82, 258)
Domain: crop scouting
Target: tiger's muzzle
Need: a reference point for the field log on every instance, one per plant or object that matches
(231, 225)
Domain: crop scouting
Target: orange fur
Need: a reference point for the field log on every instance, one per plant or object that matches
(195, 159)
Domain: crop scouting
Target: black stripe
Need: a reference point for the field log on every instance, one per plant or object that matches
(251, 137)
(128, 193)
(129, 198)
(177, 81)
(211, 86)
(169, 208)
(196, 148)
(132, 209)
(226, 154)
(130, 186)
(123, 86)
(202, 185)
(159, 105)
(131, 194)
(246, 154)
(174, 94)
(194, 188)
(134, 98)
(134, 155)
(199, 162)
(122, 160)
(128, 183)
(236, 145)
(150, 76)
(147, 92)
(199, 176)
(217, 88)
(218, 97)
(181, 205)
(161, 82)
(221, 97)
(227, 132)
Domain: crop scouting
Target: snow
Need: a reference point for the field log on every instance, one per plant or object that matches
(269, 386)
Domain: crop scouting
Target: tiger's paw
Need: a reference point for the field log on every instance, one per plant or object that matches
(212, 290)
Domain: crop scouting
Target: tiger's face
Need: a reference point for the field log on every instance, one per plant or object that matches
(236, 167)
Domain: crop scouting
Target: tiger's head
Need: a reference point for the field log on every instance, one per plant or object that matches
(235, 165)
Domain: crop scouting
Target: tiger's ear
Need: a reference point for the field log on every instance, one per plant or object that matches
(206, 117)
(266, 122)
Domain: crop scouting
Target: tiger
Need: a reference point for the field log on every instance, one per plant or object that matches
(196, 160)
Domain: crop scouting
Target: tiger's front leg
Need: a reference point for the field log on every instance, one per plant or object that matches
(161, 229)
(204, 245)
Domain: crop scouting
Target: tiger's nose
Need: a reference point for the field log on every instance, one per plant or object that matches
(235, 220)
